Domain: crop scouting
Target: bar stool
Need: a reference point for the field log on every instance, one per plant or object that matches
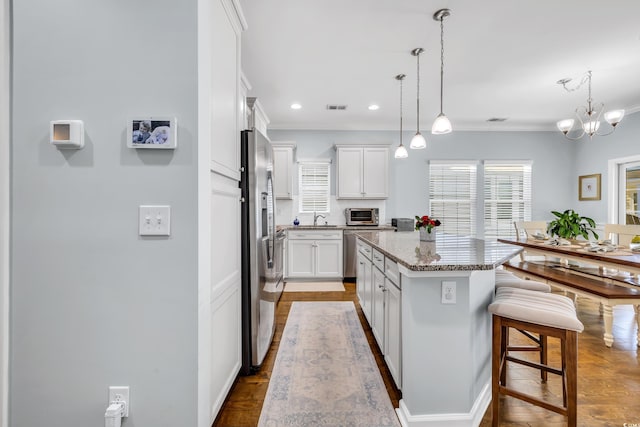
(507, 279)
(548, 315)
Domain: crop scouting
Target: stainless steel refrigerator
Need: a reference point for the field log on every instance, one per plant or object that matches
(262, 250)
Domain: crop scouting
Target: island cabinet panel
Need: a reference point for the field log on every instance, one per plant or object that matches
(427, 342)
(393, 331)
(377, 318)
(362, 172)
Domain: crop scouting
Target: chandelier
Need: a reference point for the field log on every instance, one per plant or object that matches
(589, 116)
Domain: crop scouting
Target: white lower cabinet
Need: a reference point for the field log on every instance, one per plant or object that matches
(377, 321)
(314, 254)
(300, 258)
(379, 292)
(392, 333)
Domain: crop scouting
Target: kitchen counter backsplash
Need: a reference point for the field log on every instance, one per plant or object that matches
(287, 211)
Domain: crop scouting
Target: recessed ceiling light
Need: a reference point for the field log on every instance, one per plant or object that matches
(374, 107)
(296, 106)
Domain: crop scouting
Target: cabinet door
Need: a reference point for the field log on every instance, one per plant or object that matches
(349, 173)
(328, 258)
(300, 258)
(367, 294)
(375, 175)
(360, 278)
(377, 321)
(282, 165)
(225, 92)
(393, 337)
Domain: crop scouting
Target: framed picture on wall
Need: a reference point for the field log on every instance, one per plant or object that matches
(589, 187)
(152, 132)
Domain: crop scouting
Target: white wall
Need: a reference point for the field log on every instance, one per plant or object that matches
(553, 165)
(5, 24)
(92, 303)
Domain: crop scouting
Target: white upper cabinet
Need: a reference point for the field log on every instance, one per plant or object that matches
(362, 172)
(226, 103)
(283, 165)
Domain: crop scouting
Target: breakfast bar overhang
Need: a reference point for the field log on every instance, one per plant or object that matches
(446, 347)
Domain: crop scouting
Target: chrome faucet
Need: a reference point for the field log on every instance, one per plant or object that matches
(315, 219)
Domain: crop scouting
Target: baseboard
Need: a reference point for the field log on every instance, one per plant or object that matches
(470, 419)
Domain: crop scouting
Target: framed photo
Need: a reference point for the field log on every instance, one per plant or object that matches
(152, 132)
(589, 187)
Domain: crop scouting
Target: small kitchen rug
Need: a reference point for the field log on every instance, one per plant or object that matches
(313, 287)
(325, 373)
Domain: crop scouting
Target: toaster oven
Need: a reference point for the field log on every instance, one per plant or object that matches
(362, 216)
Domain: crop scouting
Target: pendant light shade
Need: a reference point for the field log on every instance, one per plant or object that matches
(401, 151)
(442, 124)
(418, 142)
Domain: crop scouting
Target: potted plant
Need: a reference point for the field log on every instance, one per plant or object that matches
(426, 226)
(569, 225)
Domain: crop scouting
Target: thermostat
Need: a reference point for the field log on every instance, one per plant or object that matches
(67, 133)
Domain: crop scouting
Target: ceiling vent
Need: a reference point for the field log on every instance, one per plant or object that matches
(497, 119)
(336, 107)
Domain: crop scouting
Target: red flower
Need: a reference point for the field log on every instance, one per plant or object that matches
(426, 222)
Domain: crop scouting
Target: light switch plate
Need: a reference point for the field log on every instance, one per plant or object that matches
(154, 220)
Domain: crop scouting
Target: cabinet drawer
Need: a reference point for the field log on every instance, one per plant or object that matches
(378, 259)
(391, 270)
(364, 249)
(314, 235)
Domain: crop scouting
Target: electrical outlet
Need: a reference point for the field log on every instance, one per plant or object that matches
(448, 292)
(120, 394)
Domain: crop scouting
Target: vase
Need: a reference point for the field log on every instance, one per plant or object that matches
(428, 236)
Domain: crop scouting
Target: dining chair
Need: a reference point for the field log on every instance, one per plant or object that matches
(621, 234)
(526, 229)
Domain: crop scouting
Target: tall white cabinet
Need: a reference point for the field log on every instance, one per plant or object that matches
(283, 165)
(221, 111)
(362, 172)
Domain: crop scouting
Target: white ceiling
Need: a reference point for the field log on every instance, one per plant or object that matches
(502, 59)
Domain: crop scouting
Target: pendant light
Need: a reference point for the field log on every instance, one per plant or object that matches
(401, 151)
(418, 142)
(442, 124)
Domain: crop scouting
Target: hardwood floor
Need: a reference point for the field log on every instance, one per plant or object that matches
(608, 378)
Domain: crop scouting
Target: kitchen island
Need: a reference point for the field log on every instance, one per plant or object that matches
(445, 328)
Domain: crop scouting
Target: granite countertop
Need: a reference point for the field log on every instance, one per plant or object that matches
(448, 253)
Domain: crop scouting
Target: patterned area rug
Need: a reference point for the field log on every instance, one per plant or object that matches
(313, 287)
(325, 373)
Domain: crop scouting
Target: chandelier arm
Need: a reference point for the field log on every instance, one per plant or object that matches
(574, 138)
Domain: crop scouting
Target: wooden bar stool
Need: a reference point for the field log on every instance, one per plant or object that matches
(548, 315)
(507, 279)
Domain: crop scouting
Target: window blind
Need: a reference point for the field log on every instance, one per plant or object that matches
(452, 196)
(507, 197)
(314, 186)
